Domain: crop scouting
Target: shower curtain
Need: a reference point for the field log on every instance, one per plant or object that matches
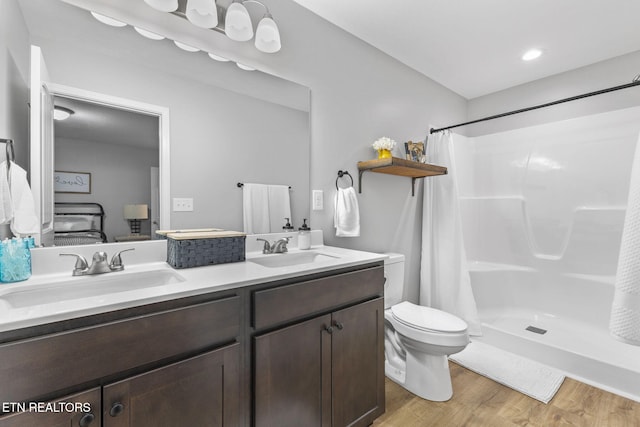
(444, 278)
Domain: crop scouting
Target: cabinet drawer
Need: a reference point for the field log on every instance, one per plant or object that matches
(40, 366)
(285, 303)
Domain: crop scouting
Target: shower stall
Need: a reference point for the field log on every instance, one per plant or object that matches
(543, 211)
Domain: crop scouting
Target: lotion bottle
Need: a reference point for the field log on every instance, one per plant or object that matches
(304, 236)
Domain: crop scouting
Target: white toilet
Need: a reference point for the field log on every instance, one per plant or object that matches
(418, 339)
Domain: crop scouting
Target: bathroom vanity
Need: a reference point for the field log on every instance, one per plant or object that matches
(291, 345)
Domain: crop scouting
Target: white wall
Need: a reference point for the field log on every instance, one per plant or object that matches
(602, 75)
(120, 175)
(14, 69)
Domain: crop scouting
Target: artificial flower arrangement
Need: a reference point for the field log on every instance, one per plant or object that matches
(384, 146)
(384, 143)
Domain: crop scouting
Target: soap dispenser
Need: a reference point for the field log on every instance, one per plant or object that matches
(287, 226)
(304, 236)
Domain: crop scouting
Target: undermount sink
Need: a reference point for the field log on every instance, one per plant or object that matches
(89, 286)
(288, 259)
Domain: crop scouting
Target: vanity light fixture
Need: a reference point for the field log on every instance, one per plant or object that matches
(186, 47)
(109, 21)
(236, 24)
(62, 113)
(217, 57)
(531, 54)
(163, 5)
(202, 13)
(149, 34)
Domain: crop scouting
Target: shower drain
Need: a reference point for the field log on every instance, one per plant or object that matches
(536, 330)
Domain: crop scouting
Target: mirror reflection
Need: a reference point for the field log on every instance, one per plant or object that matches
(226, 125)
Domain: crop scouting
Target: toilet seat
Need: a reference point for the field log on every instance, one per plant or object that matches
(427, 319)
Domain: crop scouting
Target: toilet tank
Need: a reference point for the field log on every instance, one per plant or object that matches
(394, 285)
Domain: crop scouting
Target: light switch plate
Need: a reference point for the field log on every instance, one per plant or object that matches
(182, 204)
(318, 200)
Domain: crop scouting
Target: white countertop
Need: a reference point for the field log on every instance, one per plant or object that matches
(148, 257)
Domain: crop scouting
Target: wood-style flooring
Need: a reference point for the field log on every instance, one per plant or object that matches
(479, 401)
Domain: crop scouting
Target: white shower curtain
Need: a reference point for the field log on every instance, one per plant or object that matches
(444, 278)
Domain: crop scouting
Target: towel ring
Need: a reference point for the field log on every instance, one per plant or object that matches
(341, 174)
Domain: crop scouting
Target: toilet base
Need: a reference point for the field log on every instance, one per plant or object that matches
(428, 376)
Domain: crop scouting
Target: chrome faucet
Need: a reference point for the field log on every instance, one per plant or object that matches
(99, 263)
(278, 247)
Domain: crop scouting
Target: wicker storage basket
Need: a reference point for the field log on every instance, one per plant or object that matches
(187, 249)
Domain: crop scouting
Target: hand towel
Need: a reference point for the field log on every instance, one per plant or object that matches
(625, 312)
(347, 215)
(255, 208)
(25, 220)
(279, 207)
(6, 205)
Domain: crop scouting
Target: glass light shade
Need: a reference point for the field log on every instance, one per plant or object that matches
(61, 113)
(245, 67)
(237, 25)
(218, 58)
(202, 13)
(531, 54)
(148, 34)
(108, 21)
(186, 47)
(268, 36)
(140, 211)
(163, 5)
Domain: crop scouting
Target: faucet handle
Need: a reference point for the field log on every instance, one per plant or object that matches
(81, 263)
(266, 249)
(116, 261)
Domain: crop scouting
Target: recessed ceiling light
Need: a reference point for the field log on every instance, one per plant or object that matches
(186, 47)
(61, 113)
(218, 58)
(108, 21)
(531, 54)
(148, 34)
(245, 67)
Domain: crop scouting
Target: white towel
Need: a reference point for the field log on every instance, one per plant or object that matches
(25, 220)
(279, 207)
(255, 208)
(6, 205)
(625, 312)
(347, 215)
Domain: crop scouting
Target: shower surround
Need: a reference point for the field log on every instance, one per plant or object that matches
(543, 212)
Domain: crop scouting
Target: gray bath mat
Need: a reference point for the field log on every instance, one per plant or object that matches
(527, 376)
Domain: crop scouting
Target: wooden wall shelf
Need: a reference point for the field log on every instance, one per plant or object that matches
(401, 167)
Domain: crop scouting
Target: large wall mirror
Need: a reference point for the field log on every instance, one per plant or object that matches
(227, 125)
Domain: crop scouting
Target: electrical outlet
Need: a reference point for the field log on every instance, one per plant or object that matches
(318, 200)
(182, 204)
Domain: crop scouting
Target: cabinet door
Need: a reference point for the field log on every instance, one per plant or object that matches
(358, 363)
(292, 375)
(60, 413)
(200, 391)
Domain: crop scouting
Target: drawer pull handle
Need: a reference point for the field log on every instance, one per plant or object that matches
(339, 325)
(116, 409)
(86, 420)
(328, 329)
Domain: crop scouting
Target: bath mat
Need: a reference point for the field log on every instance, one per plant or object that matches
(527, 376)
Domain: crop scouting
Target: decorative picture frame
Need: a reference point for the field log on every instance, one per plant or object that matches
(72, 182)
(415, 151)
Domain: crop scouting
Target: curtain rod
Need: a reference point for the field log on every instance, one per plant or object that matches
(635, 82)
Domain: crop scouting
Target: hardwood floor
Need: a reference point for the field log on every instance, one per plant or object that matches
(479, 401)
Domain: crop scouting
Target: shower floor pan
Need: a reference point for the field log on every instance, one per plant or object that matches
(583, 352)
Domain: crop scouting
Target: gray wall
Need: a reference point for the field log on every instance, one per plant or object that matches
(14, 72)
(602, 75)
(120, 175)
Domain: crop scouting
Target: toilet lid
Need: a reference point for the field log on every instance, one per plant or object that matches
(427, 318)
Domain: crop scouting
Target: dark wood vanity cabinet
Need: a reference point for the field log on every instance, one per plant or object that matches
(327, 370)
(297, 352)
